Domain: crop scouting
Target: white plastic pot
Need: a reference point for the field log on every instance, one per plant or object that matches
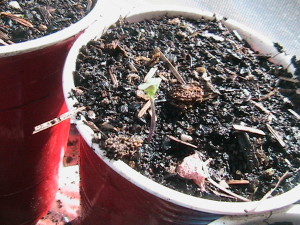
(113, 192)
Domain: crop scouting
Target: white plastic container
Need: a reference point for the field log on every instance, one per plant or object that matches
(114, 193)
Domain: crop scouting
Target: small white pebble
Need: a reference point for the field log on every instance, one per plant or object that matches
(214, 36)
(97, 136)
(205, 77)
(238, 172)
(152, 34)
(182, 34)
(91, 114)
(175, 21)
(186, 138)
(286, 100)
(42, 27)
(270, 172)
(15, 5)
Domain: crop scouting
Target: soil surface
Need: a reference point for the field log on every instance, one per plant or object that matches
(236, 109)
(24, 20)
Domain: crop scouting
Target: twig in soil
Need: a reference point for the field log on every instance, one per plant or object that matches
(89, 5)
(294, 113)
(220, 194)
(171, 67)
(248, 129)
(268, 194)
(45, 12)
(276, 135)
(289, 80)
(162, 75)
(96, 129)
(142, 94)
(262, 108)
(17, 19)
(144, 109)
(106, 125)
(57, 120)
(113, 77)
(268, 95)
(207, 80)
(286, 90)
(180, 141)
(116, 45)
(91, 125)
(3, 35)
(234, 182)
(132, 67)
(227, 191)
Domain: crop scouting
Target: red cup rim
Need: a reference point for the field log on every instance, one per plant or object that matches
(54, 38)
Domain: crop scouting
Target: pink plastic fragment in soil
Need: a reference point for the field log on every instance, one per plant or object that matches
(195, 169)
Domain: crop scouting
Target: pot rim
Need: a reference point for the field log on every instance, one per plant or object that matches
(54, 38)
(256, 40)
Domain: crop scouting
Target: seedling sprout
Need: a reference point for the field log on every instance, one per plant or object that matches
(150, 87)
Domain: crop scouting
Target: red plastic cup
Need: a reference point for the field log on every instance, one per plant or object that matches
(112, 193)
(31, 94)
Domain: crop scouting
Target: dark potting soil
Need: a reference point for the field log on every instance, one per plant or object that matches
(24, 20)
(228, 89)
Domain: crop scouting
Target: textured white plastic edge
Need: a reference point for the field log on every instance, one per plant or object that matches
(55, 38)
(257, 41)
(289, 214)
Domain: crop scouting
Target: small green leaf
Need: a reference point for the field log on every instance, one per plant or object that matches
(150, 87)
